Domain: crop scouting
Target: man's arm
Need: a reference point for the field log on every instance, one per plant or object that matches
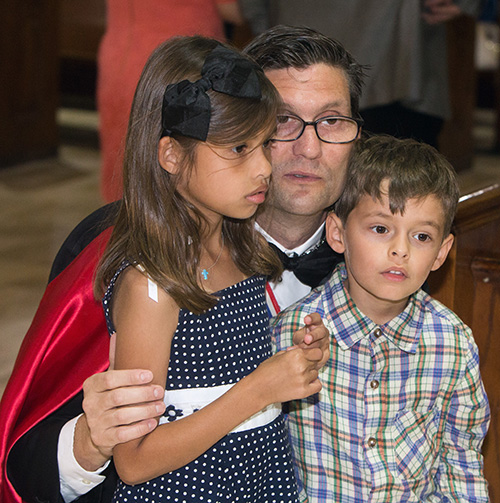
(460, 474)
(110, 418)
(32, 463)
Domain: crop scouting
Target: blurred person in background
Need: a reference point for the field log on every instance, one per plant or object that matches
(134, 28)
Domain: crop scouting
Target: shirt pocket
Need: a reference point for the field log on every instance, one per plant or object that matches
(415, 442)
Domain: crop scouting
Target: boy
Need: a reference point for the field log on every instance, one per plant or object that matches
(403, 413)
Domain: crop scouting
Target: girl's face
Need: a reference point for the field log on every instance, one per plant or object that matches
(229, 181)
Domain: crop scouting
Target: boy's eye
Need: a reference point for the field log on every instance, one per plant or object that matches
(267, 143)
(422, 237)
(379, 229)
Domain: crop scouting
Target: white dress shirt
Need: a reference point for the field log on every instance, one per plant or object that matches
(73, 479)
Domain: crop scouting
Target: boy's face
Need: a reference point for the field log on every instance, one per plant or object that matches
(389, 256)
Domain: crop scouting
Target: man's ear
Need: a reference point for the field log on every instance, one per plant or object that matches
(335, 233)
(443, 252)
(168, 156)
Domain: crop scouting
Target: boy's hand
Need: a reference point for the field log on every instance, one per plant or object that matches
(314, 335)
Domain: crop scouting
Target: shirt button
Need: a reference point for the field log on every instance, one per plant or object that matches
(86, 481)
(374, 384)
(372, 442)
(377, 332)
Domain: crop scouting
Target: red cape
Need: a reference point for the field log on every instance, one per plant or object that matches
(66, 343)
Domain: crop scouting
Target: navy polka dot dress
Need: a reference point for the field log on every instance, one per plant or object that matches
(218, 348)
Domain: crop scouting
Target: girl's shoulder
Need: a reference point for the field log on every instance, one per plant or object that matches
(131, 291)
(134, 281)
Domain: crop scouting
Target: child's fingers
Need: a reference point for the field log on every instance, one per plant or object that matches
(317, 355)
(313, 354)
(311, 331)
(315, 387)
(316, 335)
(299, 336)
(312, 320)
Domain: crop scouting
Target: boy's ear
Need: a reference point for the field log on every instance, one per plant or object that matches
(335, 233)
(443, 252)
(168, 155)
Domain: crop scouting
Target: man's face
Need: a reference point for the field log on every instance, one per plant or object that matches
(308, 174)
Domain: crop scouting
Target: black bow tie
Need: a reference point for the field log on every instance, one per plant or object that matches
(313, 266)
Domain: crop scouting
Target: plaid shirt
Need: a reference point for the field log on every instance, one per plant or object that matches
(402, 414)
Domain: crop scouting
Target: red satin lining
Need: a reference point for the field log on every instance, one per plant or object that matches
(66, 343)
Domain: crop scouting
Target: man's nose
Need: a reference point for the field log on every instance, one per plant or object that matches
(308, 145)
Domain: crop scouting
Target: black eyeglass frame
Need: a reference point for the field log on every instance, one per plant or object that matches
(359, 122)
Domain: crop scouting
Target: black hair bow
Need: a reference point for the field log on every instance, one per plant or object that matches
(186, 105)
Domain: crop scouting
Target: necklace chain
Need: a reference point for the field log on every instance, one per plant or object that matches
(204, 271)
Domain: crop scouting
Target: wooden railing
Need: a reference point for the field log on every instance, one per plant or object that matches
(469, 284)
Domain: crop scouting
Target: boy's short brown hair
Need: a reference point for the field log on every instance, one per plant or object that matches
(413, 169)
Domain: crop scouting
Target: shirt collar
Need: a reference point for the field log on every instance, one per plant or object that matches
(299, 250)
(348, 325)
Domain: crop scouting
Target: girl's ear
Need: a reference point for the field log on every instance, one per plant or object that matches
(443, 252)
(335, 233)
(168, 156)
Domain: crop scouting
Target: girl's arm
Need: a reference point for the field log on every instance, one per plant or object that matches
(145, 330)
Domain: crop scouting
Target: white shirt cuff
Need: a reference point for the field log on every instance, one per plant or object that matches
(73, 479)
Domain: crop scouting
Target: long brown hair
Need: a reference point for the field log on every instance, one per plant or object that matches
(158, 228)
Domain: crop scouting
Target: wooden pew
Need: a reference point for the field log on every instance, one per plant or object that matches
(469, 283)
(28, 80)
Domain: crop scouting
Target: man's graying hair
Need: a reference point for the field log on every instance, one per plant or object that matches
(299, 47)
(413, 170)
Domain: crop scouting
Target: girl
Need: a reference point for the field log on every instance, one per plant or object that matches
(185, 272)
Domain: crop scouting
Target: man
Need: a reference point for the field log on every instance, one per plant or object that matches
(317, 79)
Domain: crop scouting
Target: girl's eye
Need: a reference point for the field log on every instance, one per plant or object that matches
(239, 149)
(379, 229)
(422, 237)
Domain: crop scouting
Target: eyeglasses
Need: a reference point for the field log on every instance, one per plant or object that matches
(331, 129)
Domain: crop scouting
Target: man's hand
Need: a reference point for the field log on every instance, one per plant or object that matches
(314, 335)
(440, 11)
(119, 405)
